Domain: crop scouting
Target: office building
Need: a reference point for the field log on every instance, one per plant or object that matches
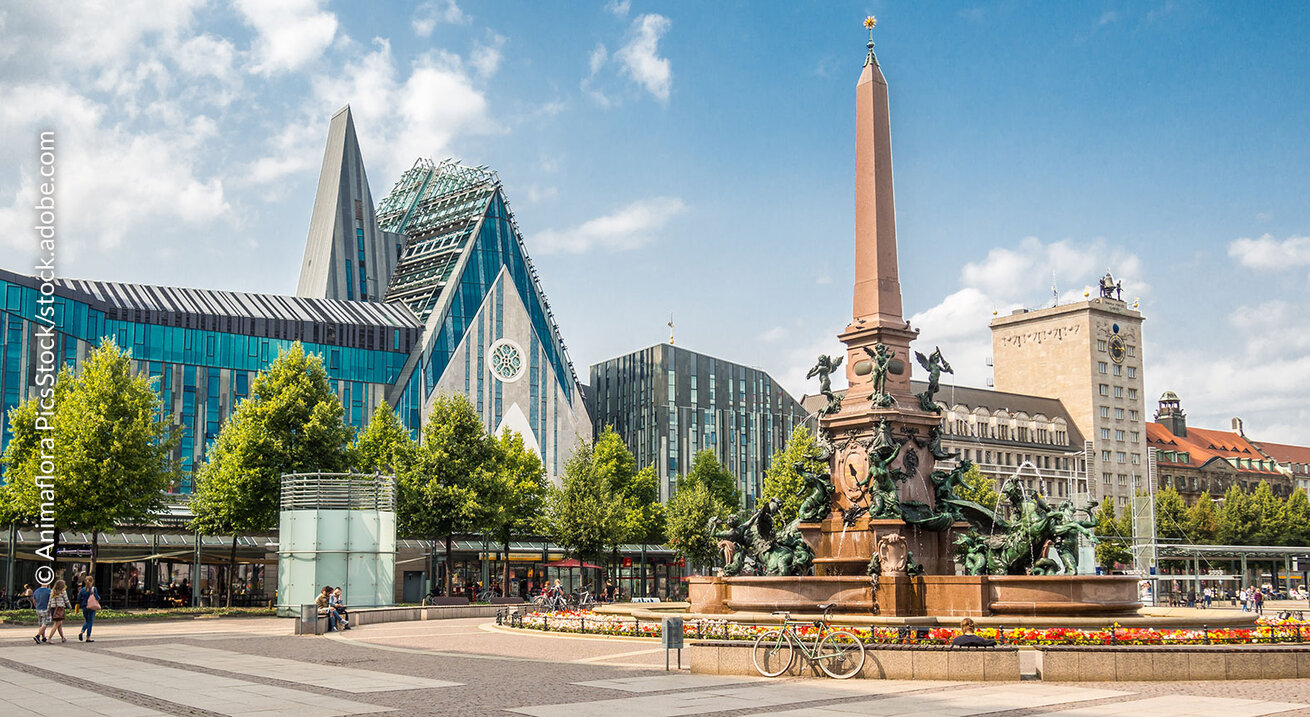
(668, 403)
(1087, 354)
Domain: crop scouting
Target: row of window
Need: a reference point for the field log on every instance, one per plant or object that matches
(1119, 435)
(1103, 346)
(1105, 390)
(1117, 370)
(1121, 457)
(1132, 413)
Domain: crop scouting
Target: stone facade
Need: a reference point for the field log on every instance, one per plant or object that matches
(1087, 354)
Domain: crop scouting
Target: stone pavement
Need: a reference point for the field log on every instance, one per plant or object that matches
(469, 667)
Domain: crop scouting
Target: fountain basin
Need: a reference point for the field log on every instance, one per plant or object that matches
(926, 595)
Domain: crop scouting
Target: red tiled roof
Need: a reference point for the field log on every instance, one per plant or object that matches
(1204, 445)
(1284, 453)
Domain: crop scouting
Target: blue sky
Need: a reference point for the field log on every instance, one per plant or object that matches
(696, 158)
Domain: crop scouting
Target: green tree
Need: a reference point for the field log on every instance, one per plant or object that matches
(1171, 516)
(1296, 519)
(111, 445)
(291, 423)
(1114, 537)
(689, 513)
(637, 492)
(440, 493)
(709, 472)
(1268, 510)
(781, 479)
(384, 446)
(1238, 519)
(1201, 523)
(978, 488)
(586, 516)
(517, 500)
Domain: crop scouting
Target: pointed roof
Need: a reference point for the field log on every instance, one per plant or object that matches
(459, 234)
(335, 266)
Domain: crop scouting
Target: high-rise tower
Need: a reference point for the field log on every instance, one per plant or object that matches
(346, 255)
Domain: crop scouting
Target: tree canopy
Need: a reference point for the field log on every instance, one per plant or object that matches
(781, 479)
(109, 448)
(706, 470)
(291, 423)
(586, 515)
(384, 446)
(689, 513)
(978, 488)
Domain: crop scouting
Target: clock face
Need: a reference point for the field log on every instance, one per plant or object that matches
(1117, 349)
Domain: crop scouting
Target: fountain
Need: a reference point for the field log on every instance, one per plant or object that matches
(884, 531)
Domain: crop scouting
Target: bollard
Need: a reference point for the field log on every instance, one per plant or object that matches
(1207, 633)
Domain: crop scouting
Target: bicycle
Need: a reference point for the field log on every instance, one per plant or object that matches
(839, 653)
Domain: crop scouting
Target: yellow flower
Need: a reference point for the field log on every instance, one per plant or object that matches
(870, 22)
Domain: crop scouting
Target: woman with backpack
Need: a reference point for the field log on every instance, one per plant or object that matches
(59, 606)
(88, 598)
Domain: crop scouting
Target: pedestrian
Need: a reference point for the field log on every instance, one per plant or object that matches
(324, 605)
(88, 598)
(1208, 595)
(1259, 602)
(41, 601)
(59, 606)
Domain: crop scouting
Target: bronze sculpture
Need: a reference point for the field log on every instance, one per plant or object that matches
(818, 491)
(935, 365)
(824, 368)
(880, 356)
(880, 480)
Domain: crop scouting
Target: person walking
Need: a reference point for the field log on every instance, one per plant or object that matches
(59, 606)
(88, 598)
(1259, 599)
(41, 601)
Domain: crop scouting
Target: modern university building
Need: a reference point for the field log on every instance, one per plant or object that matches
(430, 291)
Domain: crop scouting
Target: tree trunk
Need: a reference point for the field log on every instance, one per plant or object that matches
(450, 563)
(232, 569)
(504, 581)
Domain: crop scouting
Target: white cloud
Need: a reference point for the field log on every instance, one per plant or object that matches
(1260, 372)
(398, 118)
(595, 63)
(485, 59)
(434, 12)
(629, 227)
(1107, 17)
(289, 34)
(773, 335)
(1008, 278)
(640, 57)
(1269, 253)
(618, 8)
(110, 181)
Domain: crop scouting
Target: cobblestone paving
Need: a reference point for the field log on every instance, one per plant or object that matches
(499, 670)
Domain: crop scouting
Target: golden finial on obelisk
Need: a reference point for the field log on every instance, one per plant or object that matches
(870, 22)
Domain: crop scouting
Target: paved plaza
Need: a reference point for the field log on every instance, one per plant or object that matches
(471, 667)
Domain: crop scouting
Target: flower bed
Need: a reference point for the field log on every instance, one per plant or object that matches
(1267, 632)
(28, 617)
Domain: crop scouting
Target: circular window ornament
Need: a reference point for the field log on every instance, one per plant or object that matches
(505, 361)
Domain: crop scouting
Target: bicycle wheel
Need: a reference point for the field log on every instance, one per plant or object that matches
(840, 654)
(773, 653)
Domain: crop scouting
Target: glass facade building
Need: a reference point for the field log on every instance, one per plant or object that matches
(205, 347)
(431, 293)
(669, 403)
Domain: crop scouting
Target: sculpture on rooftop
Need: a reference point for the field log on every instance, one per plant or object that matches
(1111, 289)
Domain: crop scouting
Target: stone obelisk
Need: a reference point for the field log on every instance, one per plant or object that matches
(877, 317)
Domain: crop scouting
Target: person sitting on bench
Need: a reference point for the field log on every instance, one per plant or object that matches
(967, 638)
